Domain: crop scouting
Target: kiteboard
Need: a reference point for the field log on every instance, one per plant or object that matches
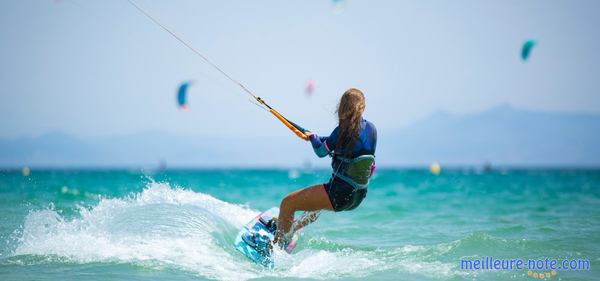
(255, 239)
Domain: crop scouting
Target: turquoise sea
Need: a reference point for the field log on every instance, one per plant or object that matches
(180, 224)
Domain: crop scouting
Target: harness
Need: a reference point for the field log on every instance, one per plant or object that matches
(355, 171)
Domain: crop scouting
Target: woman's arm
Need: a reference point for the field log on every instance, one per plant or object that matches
(318, 144)
(321, 145)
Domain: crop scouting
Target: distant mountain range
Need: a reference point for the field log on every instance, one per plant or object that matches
(500, 136)
(149, 150)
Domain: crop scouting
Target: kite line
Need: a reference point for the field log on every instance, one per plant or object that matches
(299, 131)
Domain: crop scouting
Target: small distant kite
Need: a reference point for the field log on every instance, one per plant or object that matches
(526, 49)
(338, 6)
(309, 87)
(182, 95)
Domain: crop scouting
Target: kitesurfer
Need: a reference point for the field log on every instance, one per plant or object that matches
(352, 148)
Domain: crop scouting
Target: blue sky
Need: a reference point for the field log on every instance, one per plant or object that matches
(100, 68)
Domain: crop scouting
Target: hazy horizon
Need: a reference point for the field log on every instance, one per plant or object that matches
(436, 76)
(501, 136)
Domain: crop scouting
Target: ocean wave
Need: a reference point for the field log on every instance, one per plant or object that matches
(171, 227)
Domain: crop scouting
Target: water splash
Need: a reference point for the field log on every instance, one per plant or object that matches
(167, 227)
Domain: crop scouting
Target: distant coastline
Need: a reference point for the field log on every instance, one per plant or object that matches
(501, 136)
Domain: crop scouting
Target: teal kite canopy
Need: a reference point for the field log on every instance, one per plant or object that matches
(526, 49)
(182, 95)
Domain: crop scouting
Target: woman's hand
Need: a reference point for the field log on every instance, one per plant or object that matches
(308, 134)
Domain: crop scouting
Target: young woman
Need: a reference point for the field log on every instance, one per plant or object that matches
(352, 148)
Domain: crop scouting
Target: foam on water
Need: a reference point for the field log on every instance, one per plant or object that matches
(167, 227)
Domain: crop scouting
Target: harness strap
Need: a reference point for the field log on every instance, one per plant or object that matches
(357, 172)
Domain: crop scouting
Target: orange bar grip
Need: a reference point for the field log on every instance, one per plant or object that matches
(290, 126)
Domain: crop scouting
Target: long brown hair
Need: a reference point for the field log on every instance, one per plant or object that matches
(349, 111)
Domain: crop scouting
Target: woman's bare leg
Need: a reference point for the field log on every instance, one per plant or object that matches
(307, 199)
(305, 219)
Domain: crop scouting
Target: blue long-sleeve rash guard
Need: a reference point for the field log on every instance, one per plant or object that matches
(365, 144)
